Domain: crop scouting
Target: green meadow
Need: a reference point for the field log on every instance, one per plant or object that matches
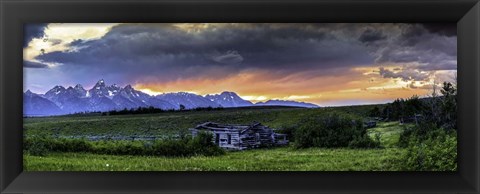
(276, 159)
(289, 158)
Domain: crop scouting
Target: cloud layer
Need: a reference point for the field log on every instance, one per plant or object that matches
(166, 52)
(162, 54)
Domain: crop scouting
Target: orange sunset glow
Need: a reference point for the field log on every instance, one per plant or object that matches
(363, 83)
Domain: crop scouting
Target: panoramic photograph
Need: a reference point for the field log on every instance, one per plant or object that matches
(240, 97)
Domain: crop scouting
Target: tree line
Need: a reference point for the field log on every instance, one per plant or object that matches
(152, 110)
(438, 110)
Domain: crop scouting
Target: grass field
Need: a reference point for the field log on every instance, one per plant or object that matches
(156, 124)
(389, 133)
(172, 122)
(278, 159)
(274, 159)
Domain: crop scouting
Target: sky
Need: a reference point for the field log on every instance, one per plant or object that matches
(329, 64)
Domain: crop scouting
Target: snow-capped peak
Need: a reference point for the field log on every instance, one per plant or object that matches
(57, 87)
(56, 90)
(100, 83)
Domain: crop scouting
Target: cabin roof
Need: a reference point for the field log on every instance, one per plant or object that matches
(225, 127)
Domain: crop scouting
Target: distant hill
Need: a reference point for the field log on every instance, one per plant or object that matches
(286, 103)
(228, 99)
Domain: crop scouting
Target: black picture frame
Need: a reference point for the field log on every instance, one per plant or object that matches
(15, 13)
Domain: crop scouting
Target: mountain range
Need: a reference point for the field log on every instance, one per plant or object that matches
(101, 97)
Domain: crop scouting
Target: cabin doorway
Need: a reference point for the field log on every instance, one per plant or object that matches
(217, 139)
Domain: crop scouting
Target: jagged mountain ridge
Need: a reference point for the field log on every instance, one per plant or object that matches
(101, 97)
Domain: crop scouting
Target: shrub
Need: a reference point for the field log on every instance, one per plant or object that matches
(200, 145)
(37, 147)
(375, 112)
(289, 131)
(435, 152)
(40, 146)
(71, 145)
(203, 144)
(170, 148)
(330, 131)
(364, 141)
(420, 132)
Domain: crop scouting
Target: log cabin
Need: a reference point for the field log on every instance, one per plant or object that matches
(241, 137)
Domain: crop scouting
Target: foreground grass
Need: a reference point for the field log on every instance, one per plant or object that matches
(278, 159)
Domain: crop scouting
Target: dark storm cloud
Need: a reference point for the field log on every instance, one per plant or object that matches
(446, 29)
(422, 48)
(162, 52)
(371, 35)
(33, 31)
(31, 64)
